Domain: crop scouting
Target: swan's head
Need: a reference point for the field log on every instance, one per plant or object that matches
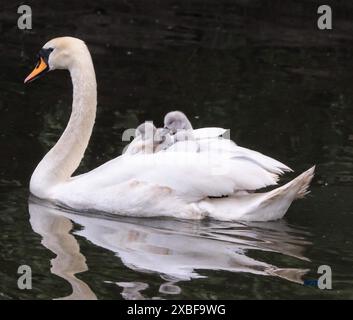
(58, 53)
(176, 120)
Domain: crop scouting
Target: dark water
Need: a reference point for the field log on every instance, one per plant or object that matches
(263, 70)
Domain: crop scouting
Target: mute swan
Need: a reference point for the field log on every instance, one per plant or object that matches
(155, 184)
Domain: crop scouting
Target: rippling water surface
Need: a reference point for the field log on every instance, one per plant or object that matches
(281, 87)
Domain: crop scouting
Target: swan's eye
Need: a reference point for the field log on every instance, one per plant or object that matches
(48, 50)
(45, 52)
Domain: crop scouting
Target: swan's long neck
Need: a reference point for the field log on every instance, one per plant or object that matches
(64, 158)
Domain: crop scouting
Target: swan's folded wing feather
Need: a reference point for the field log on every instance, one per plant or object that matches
(192, 176)
(197, 175)
(217, 145)
(223, 146)
(266, 162)
(184, 146)
(208, 133)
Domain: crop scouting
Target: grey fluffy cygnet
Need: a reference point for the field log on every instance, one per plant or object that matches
(143, 142)
(176, 120)
(162, 139)
(179, 125)
(149, 139)
(146, 130)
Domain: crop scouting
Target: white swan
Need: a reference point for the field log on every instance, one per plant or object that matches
(158, 184)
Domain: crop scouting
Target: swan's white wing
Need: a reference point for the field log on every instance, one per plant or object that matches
(220, 145)
(184, 146)
(208, 140)
(207, 133)
(217, 145)
(266, 162)
(191, 176)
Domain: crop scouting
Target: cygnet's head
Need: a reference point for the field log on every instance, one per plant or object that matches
(176, 120)
(146, 130)
(162, 139)
(59, 53)
(161, 135)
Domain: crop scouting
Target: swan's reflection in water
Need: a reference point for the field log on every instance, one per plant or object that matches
(176, 250)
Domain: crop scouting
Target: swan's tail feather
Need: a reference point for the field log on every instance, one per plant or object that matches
(264, 206)
(305, 179)
(295, 189)
(291, 274)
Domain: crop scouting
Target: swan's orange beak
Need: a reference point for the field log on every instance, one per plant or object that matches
(41, 68)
